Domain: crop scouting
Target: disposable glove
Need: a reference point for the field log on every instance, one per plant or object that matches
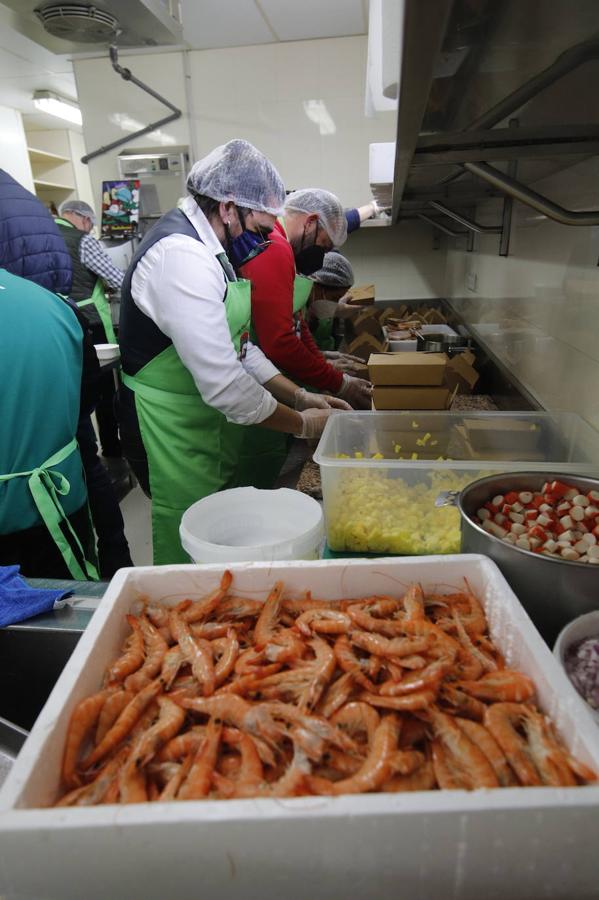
(356, 391)
(313, 422)
(306, 400)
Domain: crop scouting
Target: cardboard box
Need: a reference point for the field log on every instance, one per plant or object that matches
(241, 849)
(361, 295)
(460, 372)
(365, 322)
(365, 345)
(389, 397)
(407, 368)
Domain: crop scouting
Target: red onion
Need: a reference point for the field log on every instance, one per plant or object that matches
(582, 667)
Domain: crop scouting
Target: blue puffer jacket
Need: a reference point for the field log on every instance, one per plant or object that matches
(30, 243)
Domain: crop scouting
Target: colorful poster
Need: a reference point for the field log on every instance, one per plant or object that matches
(120, 208)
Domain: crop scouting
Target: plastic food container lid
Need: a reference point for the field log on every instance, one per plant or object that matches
(577, 630)
(107, 351)
(247, 524)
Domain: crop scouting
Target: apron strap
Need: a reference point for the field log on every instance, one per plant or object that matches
(100, 301)
(153, 393)
(45, 486)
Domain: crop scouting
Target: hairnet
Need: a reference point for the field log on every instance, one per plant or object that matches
(238, 172)
(336, 271)
(79, 207)
(326, 206)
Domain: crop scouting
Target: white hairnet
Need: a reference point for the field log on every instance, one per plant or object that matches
(326, 206)
(238, 172)
(336, 271)
(79, 207)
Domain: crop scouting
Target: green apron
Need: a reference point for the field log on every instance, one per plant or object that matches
(45, 486)
(192, 449)
(264, 451)
(100, 301)
(323, 334)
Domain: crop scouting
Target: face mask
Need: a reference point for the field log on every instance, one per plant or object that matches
(310, 259)
(248, 244)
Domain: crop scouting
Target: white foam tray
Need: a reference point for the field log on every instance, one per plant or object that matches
(516, 842)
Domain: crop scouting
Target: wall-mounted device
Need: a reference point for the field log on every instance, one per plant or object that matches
(161, 174)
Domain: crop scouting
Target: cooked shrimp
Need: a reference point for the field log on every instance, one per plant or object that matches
(382, 646)
(197, 652)
(323, 668)
(502, 719)
(548, 757)
(111, 710)
(363, 619)
(404, 762)
(406, 703)
(172, 662)
(377, 766)
(325, 621)
(422, 779)
(314, 725)
(155, 650)
(349, 662)
(447, 776)
(469, 762)
(83, 718)
(197, 783)
(169, 723)
(171, 788)
(503, 686)
(229, 654)
(133, 657)
(420, 680)
(238, 608)
(232, 709)
(183, 745)
(413, 602)
(336, 695)
(485, 741)
(357, 718)
(461, 704)
(124, 723)
(132, 785)
(202, 608)
(250, 772)
(267, 620)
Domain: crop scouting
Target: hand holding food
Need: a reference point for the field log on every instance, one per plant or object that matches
(307, 400)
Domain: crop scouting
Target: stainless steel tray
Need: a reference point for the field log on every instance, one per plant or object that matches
(12, 739)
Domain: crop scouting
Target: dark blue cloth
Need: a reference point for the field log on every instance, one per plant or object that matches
(31, 245)
(352, 217)
(18, 601)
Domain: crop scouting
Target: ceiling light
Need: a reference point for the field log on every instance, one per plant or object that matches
(318, 113)
(54, 105)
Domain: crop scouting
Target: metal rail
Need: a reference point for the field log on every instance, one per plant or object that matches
(470, 224)
(127, 76)
(526, 195)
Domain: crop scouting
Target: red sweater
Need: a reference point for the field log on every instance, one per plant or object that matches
(272, 273)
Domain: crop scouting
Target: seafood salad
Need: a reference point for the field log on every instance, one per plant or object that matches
(230, 697)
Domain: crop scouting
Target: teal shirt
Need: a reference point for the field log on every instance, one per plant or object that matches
(41, 349)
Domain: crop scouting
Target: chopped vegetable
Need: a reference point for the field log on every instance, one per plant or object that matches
(582, 667)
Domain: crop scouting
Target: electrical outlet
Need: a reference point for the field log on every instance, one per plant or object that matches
(471, 281)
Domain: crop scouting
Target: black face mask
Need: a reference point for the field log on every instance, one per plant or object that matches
(310, 259)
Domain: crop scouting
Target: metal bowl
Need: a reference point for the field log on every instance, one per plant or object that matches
(553, 591)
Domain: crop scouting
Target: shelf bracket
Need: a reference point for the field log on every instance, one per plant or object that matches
(449, 231)
(514, 188)
(128, 76)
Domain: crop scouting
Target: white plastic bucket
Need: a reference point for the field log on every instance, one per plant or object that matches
(246, 524)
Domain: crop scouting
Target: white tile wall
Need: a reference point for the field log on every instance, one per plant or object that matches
(539, 307)
(399, 260)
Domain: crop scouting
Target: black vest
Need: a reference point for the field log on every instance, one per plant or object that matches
(140, 338)
(84, 280)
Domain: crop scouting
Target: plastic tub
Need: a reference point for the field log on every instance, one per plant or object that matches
(246, 524)
(382, 471)
(577, 630)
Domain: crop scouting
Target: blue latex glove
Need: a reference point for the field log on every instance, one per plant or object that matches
(18, 601)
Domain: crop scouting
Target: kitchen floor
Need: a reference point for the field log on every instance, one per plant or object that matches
(138, 526)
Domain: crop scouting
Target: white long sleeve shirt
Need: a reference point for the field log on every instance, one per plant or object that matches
(180, 284)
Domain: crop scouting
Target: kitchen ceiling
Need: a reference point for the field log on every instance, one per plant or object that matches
(29, 59)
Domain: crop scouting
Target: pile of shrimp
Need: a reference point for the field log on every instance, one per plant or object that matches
(230, 697)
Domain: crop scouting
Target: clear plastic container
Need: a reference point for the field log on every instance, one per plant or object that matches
(382, 471)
